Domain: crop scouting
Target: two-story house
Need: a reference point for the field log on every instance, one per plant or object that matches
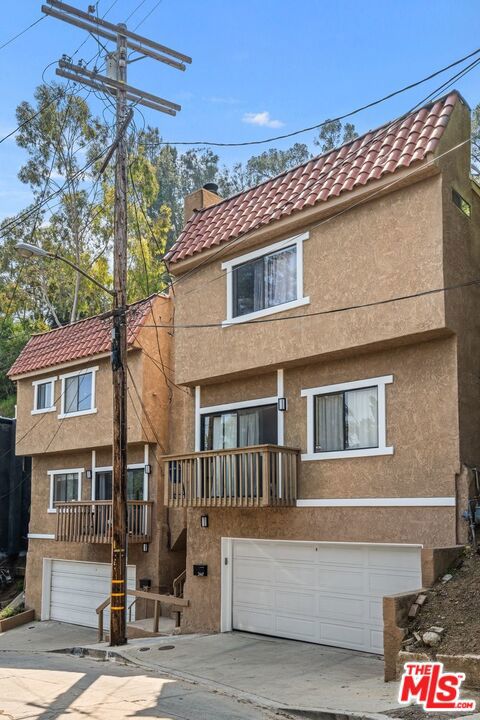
(327, 321)
(64, 422)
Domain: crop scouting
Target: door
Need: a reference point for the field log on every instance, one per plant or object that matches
(325, 593)
(73, 590)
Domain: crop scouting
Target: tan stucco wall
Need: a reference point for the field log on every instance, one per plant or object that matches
(390, 246)
(421, 414)
(148, 397)
(396, 525)
(159, 563)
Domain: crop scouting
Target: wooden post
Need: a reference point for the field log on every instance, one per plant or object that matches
(118, 624)
(156, 618)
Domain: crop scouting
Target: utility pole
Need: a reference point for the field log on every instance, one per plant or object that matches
(118, 87)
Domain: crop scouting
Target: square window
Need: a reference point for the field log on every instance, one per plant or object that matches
(66, 487)
(78, 393)
(44, 395)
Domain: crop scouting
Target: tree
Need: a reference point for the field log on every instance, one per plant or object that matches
(333, 134)
(63, 140)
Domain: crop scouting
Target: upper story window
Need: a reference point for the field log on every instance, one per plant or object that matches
(43, 395)
(239, 427)
(347, 420)
(65, 486)
(137, 488)
(78, 393)
(265, 281)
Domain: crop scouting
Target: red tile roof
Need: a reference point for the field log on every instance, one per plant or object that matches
(78, 340)
(377, 153)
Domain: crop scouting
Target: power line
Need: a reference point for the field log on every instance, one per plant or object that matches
(148, 15)
(22, 32)
(311, 227)
(324, 122)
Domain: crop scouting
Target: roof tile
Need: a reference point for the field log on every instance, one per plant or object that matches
(76, 341)
(377, 153)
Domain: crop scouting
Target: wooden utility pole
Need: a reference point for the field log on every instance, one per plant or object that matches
(118, 626)
(118, 87)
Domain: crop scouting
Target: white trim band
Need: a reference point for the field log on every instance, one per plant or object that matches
(379, 502)
(40, 536)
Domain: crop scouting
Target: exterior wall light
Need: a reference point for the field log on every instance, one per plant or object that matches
(88, 474)
(204, 521)
(148, 469)
(145, 547)
(282, 404)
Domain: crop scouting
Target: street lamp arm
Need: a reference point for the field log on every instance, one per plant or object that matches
(55, 256)
(27, 250)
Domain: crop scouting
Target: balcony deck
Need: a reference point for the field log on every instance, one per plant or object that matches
(257, 476)
(91, 522)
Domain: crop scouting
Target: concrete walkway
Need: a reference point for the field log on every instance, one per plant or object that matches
(47, 635)
(281, 674)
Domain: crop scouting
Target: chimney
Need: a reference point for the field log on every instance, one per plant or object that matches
(199, 199)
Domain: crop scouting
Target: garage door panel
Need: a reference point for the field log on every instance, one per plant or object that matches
(296, 603)
(345, 554)
(388, 583)
(254, 621)
(254, 594)
(323, 593)
(295, 628)
(76, 589)
(341, 606)
(256, 569)
(340, 579)
(404, 558)
(344, 635)
(300, 574)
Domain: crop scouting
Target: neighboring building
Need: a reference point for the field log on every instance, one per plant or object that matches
(64, 411)
(336, 386)
(14, 493)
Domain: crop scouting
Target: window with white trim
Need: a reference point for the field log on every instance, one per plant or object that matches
(137, 487)
(78, 393)
(265, 281)
(43, 395)
(347, 420)
(65, 486)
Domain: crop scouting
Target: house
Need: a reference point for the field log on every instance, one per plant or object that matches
(64, 411)
(327, 324)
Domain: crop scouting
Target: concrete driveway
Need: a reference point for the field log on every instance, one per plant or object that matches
(285, 674)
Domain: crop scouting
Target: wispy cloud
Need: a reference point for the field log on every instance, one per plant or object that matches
(262, 119)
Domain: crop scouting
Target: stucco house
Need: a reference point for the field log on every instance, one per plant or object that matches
(64, 422)
(327, 326)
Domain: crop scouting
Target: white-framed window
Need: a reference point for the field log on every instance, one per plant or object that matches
(347, 419)
(44, 395)
(78, 393)
(137, 483)
(265, 281)
(65, 486)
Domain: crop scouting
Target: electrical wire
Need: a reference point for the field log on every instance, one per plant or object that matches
(22, 32)
(147, 15)
(317, 126)
(329, 219)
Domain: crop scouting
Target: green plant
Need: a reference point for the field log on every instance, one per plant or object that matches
(9, 612)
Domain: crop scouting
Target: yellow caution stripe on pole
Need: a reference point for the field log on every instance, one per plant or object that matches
(117, 608)
(117, 594)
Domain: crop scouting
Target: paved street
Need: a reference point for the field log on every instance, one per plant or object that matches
(47, 686)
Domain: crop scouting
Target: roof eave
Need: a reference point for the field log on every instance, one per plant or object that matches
(306, 216)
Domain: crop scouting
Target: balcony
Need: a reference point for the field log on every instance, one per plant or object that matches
(91, 522)
(258, 476)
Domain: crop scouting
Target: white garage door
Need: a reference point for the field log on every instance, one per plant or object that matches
(319, 592)
(73, 590)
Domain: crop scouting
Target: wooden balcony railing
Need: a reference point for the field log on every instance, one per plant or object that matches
(91, 522)
(262, 475)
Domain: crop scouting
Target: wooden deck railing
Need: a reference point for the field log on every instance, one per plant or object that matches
(242, 477)
(91, 522)
(177, 604)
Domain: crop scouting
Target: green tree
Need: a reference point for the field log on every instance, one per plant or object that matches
(333, 134)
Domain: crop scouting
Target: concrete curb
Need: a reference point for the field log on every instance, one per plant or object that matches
(305, 712)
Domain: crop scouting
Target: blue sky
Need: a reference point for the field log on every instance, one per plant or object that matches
(260, 67)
